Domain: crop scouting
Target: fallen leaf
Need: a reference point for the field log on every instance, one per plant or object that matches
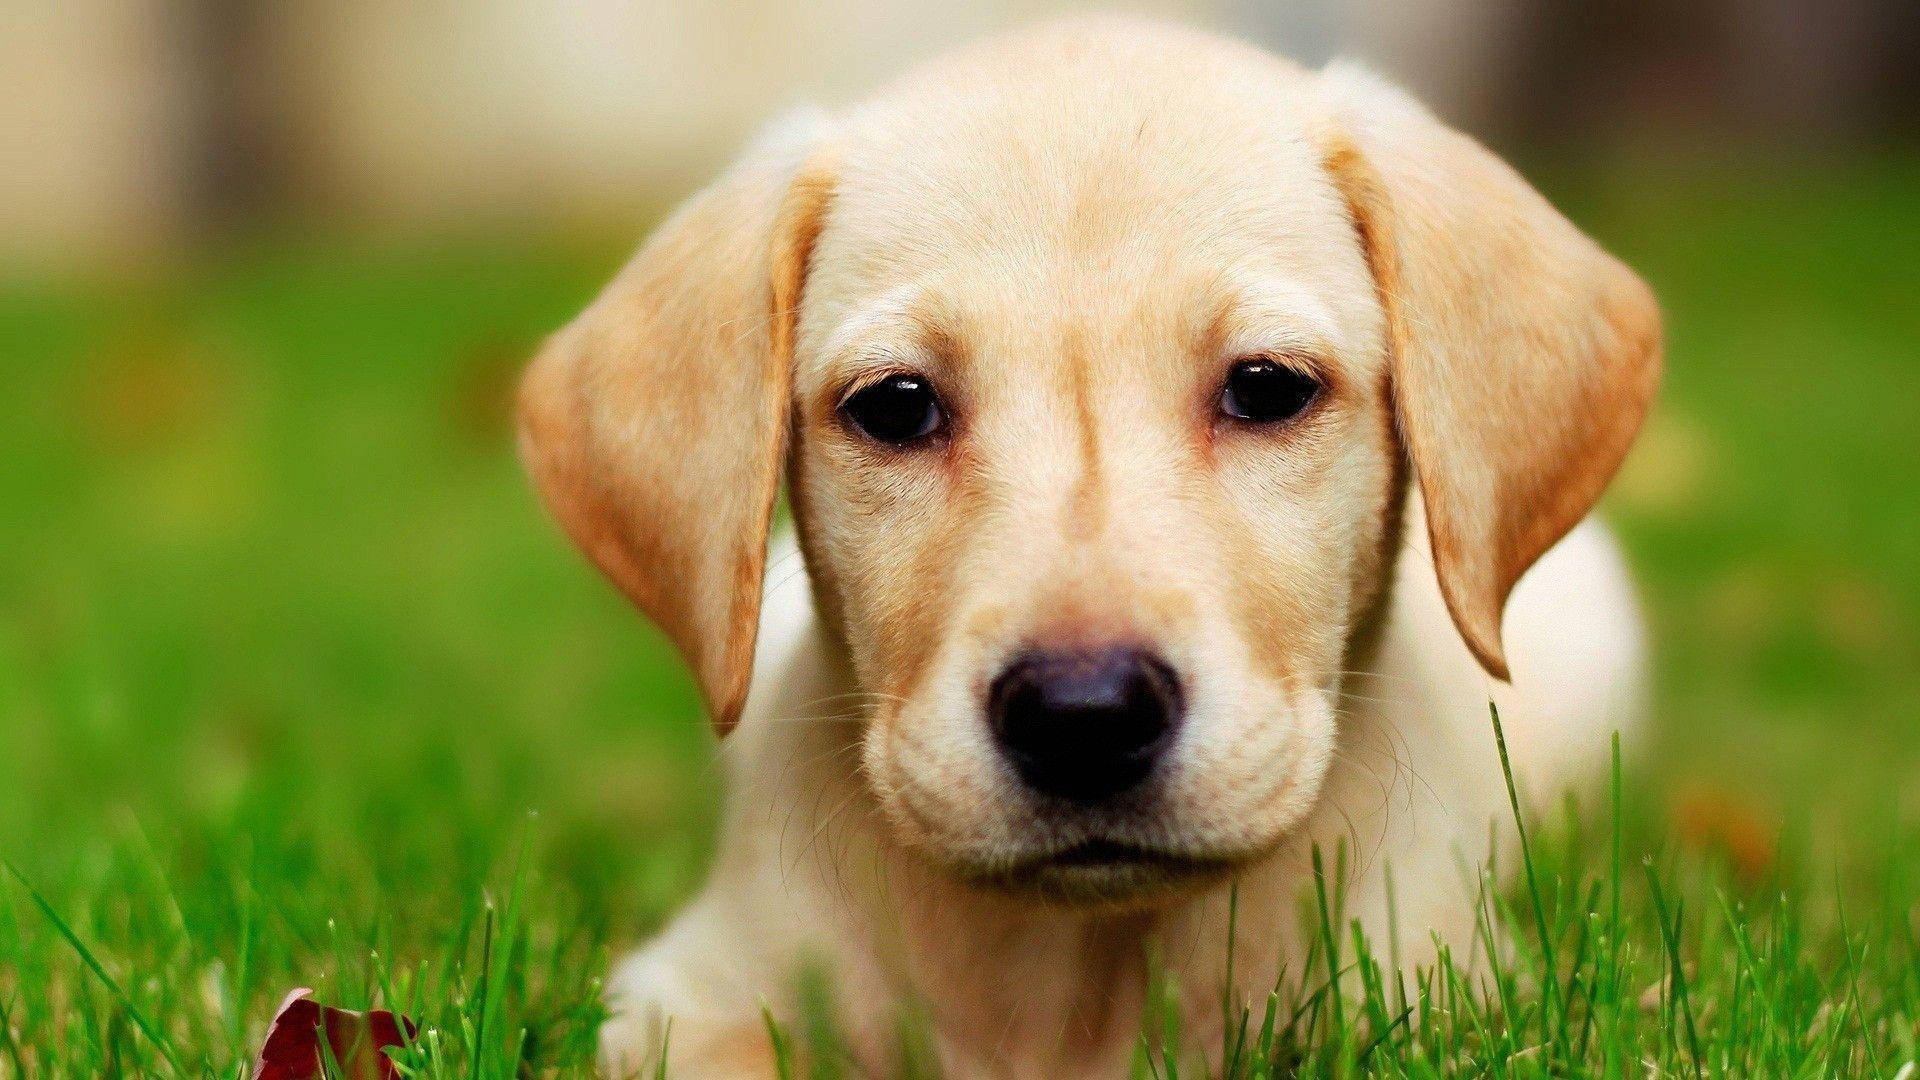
(357, 1041)
(1712, 819)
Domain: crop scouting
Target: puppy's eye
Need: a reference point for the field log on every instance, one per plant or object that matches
(1261, 391)
(898, 409)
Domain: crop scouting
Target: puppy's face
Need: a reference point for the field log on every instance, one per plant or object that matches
(1095, 358)
(1094, 483)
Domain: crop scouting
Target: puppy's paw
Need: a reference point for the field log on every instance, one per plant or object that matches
(659, 1008)
(631, 1044)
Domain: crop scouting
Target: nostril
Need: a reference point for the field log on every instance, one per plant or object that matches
(1084, 725)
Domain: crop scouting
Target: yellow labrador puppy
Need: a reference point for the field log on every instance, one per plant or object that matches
(1168, 431)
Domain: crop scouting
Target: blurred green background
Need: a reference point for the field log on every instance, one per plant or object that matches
(280, 620)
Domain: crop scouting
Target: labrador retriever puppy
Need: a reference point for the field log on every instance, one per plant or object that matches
(1182, 448)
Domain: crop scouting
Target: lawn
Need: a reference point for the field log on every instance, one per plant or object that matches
(299, 688)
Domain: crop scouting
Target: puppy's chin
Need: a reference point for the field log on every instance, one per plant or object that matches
(1106, 875)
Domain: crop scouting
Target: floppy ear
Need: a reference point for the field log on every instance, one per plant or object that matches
(655, 423)
(1523, 356)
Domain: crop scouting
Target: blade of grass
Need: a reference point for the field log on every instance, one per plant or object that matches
(1613, 914)
(133, 1012)
(666, 1045)
(1853, 984)
(1670, 933)
(478, 1049)
(1236, 1033)
(782, 1049)
(240, 973)
(1550, 977)
(1329, 942)
(1377, 1040)
(6, 1040)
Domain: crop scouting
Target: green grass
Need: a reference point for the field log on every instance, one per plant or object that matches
(298, 687)
(1588, 966)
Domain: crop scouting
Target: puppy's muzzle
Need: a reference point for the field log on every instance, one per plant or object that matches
(1085, 726)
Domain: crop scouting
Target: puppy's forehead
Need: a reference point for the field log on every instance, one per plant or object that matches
(1089, 170)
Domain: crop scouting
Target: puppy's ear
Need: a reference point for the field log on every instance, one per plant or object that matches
(1524, 357)
(655, 423)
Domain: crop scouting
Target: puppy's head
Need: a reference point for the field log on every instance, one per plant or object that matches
(1099, 361)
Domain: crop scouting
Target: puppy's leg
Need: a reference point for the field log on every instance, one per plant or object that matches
(700, 991)
(777, 897)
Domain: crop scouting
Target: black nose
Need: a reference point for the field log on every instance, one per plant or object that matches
(1084, 725)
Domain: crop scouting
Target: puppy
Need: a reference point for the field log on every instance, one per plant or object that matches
(1167, 431)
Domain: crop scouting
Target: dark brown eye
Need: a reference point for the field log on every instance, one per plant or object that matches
(896, 410)
(1264, 392)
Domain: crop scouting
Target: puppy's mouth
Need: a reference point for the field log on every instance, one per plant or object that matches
(1110, 871)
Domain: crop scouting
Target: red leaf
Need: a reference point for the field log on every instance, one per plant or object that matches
(357, 1039)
